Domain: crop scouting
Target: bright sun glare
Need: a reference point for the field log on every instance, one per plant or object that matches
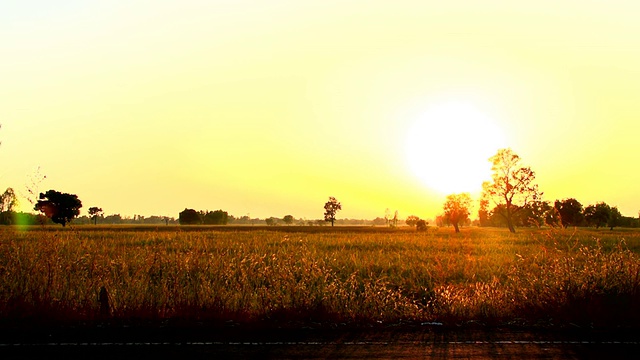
(448, 147)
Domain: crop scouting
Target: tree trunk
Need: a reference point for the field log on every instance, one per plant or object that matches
(512, 229)
(509, 220)
(456, 228)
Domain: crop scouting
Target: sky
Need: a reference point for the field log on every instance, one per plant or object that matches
(267, 108)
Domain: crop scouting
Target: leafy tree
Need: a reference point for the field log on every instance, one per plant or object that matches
(495, 218)
(614, 218)
(272, 221)
(570, 211)
(483, 212)
(113, 219)
(61, 208)
(244, 220)
(94, 212)
(597, 215)
(442, 220)
(535, 213)
(456, 209)
(512, 185)
(288, 219)
(217, 217)
(189, 217)
(331, 207)
(411, 220)
(8, 200)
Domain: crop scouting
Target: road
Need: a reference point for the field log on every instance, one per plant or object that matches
(322, 344)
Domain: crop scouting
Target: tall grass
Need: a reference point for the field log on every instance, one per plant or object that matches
(545, 277)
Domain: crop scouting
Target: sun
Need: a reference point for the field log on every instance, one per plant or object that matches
(449, 145)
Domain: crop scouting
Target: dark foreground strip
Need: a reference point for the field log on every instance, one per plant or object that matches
(317, 343)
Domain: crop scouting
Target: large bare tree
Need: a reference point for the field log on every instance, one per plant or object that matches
(512, 185)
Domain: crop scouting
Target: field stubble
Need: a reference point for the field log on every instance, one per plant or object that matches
(350, 277)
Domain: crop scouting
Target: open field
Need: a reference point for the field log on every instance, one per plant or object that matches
(295, 277)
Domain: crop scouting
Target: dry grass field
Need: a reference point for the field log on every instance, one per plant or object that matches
(298, 276)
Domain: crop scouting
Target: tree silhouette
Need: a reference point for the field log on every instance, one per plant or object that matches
(94, 212)
(288, 219)
(456, 209)
(597, 215)
(570, 211)
(8, 200)
(61, 208)
(614, 218)
(421, 225)
(411, 220)
(218, 217)
(535, 213)
(511, 185)
(483, 212)
(331, 207)
(189, 217)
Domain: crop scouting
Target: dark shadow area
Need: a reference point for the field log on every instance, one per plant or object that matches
(105, 342)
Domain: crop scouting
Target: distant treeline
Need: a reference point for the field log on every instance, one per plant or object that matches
(565, 213)
(22, 218)
(561, 213)
(117, 219)
(221, 217)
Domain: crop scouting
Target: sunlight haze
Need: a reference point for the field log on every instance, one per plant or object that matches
(267, 108)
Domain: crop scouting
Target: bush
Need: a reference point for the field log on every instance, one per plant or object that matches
(189, 217)
(421, 225)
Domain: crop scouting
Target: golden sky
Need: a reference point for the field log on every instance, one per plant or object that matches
(268, 108)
